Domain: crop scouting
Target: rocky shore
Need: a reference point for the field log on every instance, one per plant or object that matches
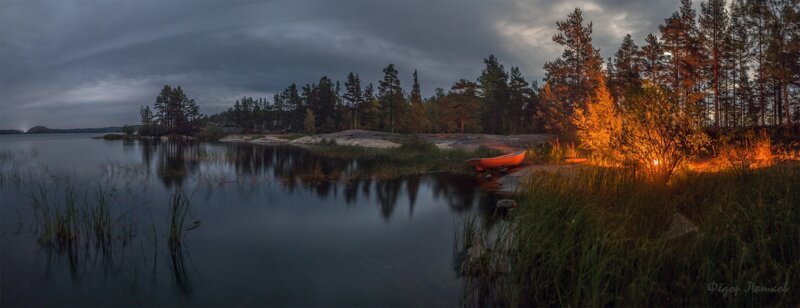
(384, 140)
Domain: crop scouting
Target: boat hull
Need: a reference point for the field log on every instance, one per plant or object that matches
(499, 162)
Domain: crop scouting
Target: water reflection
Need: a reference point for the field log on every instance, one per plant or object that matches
(300, 168)
(260, 223)
(180, 275)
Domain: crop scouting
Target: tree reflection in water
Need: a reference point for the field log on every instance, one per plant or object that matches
(175, 165)
(300, 168)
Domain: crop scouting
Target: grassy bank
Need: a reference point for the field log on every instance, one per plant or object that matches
(414, 157)
(602, 237)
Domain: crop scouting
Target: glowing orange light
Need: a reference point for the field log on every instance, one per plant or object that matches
(655, 162)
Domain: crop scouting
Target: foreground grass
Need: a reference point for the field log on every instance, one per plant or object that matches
(68, 215)
(602, 237)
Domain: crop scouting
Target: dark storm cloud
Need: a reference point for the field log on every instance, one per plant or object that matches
(92, 63)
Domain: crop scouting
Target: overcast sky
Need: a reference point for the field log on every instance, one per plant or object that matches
(67, 64)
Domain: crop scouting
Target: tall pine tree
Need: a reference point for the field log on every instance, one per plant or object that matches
(494, 94)
(391, 97)
(571, 79)
(416, 120)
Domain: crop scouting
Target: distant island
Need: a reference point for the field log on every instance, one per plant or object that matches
(45, 130)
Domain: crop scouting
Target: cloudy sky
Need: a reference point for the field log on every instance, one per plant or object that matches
(66, 64)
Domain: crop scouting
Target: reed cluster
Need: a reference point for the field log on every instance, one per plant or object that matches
(68, 215)
(602, 236)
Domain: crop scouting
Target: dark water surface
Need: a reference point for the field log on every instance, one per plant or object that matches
(277, 226)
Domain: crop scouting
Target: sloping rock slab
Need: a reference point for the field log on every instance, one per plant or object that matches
(355, 137)
(269, 139)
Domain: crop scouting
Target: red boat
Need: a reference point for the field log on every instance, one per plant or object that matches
(503, 161)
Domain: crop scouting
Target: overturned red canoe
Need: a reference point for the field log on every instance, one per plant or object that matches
(504, 161)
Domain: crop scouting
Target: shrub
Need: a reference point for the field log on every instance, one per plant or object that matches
(129, 130)
(657, 135)
(650, 132)
(210, 133)
(750, 151)
(599, 125)
(114, 137)
(557, 152)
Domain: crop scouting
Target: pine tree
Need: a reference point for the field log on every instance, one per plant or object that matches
(279, 111)
(193, 115)
(714, 25)
(681, 40)
(463, 102)
(341, 111)
(416, 120)
(146, 128)
(653, 58)
(627, 68)
(519, 96)
(780, 58)
(294, 105)
(571, 79)
(494, 95)
(369, 109)
(441, 114)
(552, 112)
(536, 123)
(758, 17)
(740, 52)
(174, 112)
(391, 97)
(326, 107)
(353, 98)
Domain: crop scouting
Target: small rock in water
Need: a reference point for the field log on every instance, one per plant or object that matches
(506, 204)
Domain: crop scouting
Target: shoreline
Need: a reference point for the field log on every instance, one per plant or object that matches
(383, 140)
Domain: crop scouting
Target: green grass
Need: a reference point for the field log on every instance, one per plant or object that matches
(598, 237)
(412, 157)
(291, 136)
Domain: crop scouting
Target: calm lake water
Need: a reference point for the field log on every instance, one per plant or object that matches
(266, 225)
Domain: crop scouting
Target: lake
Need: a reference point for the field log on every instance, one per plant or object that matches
(264, 225)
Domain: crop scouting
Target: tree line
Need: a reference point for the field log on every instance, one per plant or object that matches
(727, 68)
(731, 66)
(172, 113)
(500, 101)
(653, 107)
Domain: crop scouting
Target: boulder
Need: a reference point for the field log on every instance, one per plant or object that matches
(680, 226)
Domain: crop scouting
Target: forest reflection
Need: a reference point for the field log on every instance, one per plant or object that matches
(301, 168)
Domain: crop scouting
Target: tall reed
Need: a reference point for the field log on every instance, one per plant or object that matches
(179, 210)
(602, 237)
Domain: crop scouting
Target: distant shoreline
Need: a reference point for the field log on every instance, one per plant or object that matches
(45, 130)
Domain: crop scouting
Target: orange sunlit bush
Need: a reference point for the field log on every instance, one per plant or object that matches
(751, 151)
(657, 135)
(649, 132)
(599, 126)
